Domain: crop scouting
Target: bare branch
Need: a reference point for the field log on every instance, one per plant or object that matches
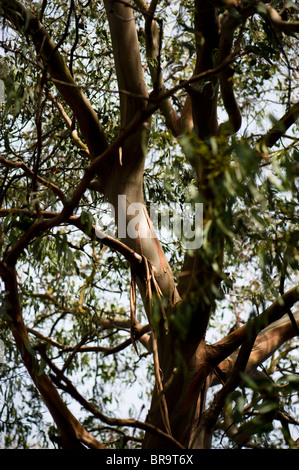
(267, 342)
(271, 338)
(153, 40)
(127, 59)
(279, 129)
(140, 334)
(279, 24)
(72, 432)
(202, 434)
(65, 384)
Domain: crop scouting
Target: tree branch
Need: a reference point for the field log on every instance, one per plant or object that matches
(229, 24)
(139, 335)
(20, 164)
(78, 142)
(210, 416)
(130, 255)
(127, 58)
(226, 346)
(72, 432)
(279, 129)
(153, 40)
(27, 23)
(204, 95)
(278, 23)
(100, 161)
(65, 384)
(267, 342)
(225, 3)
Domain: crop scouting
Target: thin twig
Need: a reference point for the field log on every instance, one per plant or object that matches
(68, 122)
(20, 164)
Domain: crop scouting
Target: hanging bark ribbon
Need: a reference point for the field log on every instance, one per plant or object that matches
(133, 309)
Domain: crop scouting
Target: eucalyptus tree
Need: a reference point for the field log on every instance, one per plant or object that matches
(180, 112)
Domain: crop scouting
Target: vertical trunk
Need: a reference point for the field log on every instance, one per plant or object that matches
(184, 370)
(126, 180)
(185, 389)
(124, 187)
(182, 357)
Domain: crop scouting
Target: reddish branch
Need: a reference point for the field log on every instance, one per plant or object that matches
(282, 125)
(275, 311)
(267, 342)
(278, 23)
(254, 350)
(72, 432)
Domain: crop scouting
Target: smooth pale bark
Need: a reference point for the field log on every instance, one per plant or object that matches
(124, 187)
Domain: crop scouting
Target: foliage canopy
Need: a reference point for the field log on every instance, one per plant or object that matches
(170, 104)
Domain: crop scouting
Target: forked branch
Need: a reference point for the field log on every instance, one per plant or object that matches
(223, 348)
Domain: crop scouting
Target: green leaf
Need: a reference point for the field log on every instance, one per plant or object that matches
(249, 381)
(278, 124)
(61, 244)
(42, 366)
(223, 227)
(30, 349)
(87, 220)
(267, 407)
